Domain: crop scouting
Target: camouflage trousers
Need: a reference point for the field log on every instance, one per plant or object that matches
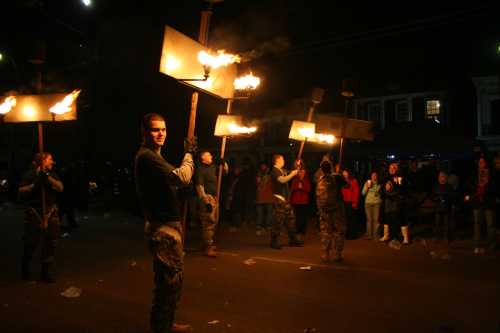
(208, 220)
(165, 244)
(35, 232)
(332, 224)
(283, 215)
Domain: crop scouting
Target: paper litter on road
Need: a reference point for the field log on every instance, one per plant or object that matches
(306, 268)
(250, 262)
(72, 292)
(310, 330)
(133, 264)
(213, 322)
(394, 244)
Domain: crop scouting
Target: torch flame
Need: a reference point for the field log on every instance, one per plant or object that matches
(8, 104)
(236, 129)
(222, 59)
(246, 82)
(325, 138)
(65, 105)
(306, 132)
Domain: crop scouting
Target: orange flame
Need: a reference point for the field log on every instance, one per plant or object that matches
(8, 104)
(64, 106)
(306, 132)
(325, 138)
(221, 59)
(246, 82)
(236, 129)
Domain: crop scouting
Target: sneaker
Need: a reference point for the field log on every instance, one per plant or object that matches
(477, 250)
(338, 258)
(325, 258)
(259, 232)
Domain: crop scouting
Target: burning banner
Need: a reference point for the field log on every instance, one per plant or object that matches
(246, 82)
(229, 125)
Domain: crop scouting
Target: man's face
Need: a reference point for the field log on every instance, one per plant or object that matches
(393, 169)
(263, 167)
(345, 174)
(443, 178)
(280, 162)
(206, 158)
(48, 163)
(157, 133)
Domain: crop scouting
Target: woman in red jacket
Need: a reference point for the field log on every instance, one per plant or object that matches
(299, 198)
(350, 195)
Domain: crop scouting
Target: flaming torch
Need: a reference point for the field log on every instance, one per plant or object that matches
(324, 138)
(210, 61)
(65, 105)
(247, 82)
(8, 104)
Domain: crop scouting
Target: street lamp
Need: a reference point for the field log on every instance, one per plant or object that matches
(87, 3)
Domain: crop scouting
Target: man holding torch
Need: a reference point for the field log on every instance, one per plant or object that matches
(282, 209)
(206, 189)
(39, 187)
(156, 183)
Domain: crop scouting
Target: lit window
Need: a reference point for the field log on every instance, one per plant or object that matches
(402, 111)
(432, 109)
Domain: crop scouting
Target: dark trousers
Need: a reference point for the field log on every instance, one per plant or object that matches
(443, 226)
(69, 212)
(301, 215)
(351, 219)
(35, 235)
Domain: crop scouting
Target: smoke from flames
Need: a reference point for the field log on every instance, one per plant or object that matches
(271, 47)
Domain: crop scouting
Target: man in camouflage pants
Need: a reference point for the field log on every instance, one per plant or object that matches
(331, 212)
(206, 188)
(156, 182)
(282, 209)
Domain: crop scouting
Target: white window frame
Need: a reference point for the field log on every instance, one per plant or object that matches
(396, 112)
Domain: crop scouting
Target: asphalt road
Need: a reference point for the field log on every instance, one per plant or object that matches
(376, 289)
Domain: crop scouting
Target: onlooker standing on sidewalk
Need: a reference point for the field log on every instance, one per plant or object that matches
(299, 198)
(483, 193)
(264, 199)
(393, 190)
(443, 196)
(350, 196)
(373, 201)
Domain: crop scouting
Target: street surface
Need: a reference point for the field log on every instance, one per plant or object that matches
(249, 287)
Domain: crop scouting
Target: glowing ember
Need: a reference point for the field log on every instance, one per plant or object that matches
(306, 132)
(325, 138)
(8, 104)
(65, 105)
(246, 82)
(236, 129)
(221, 59)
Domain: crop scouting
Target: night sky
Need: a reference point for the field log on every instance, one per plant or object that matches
(112, 51)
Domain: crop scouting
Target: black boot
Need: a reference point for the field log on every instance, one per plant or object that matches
(25, 270)
(275, 243)
(46, 275)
